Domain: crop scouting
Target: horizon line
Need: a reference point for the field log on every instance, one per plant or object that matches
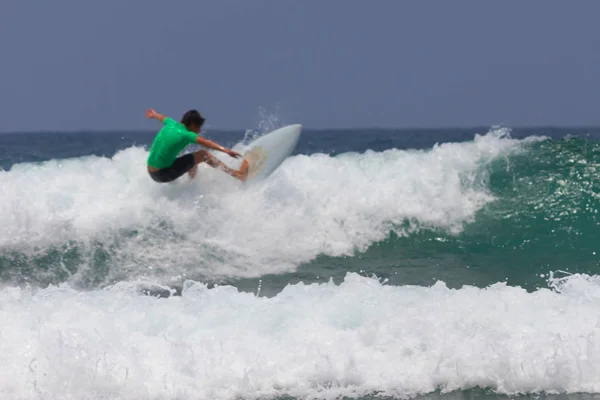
(403, 128)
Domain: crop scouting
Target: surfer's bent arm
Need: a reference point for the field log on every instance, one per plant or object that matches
(150, 113)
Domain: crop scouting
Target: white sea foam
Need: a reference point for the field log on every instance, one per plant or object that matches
(312, 205)
(310, 341)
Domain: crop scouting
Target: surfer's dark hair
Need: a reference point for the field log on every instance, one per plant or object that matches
(192, 117)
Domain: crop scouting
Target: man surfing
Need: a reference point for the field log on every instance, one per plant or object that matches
(163, 163)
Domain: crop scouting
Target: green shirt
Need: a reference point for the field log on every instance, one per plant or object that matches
(169, 142)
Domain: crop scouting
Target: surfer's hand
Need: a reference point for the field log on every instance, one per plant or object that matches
(233, 154)
(150, 113)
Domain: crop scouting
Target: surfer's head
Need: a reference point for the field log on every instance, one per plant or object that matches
(193, 121)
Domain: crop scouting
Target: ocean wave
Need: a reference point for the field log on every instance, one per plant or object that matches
(90, 208)
(319, 341)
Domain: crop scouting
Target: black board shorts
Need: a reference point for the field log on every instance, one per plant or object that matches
(180, 166)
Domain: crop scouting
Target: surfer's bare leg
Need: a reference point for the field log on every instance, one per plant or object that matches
(204, 156)
(192, 172)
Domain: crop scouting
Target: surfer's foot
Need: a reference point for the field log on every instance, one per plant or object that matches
(243, 172)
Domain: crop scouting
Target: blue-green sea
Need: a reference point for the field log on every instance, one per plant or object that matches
(374, 263)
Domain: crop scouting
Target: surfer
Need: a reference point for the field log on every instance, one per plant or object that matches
(163, 163)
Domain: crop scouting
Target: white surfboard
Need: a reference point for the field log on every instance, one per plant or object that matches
(267, 153)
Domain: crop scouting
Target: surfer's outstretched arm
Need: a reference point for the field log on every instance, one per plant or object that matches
(150, 113)
(212, 145)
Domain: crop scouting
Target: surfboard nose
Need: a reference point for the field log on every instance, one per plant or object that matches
(296, 127)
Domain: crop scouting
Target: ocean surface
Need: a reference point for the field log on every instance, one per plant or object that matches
(374, 263)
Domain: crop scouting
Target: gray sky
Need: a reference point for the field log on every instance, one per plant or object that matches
(81, 64)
